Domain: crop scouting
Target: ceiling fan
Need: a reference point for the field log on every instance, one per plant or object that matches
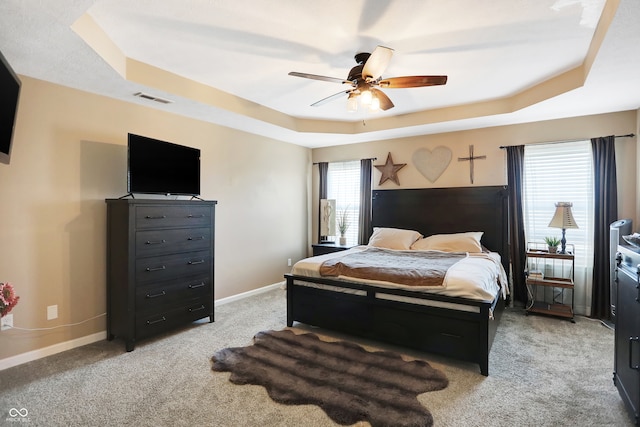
(366, 79)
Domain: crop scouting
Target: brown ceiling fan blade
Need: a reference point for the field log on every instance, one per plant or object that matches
(385, 102)
(330, 98)
(317, 77)
(377, 63)
(412, 81)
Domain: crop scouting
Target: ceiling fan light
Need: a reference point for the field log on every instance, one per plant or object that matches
(352, 103)
(375, 104)
(366, 97)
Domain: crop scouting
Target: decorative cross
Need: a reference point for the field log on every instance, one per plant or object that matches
(471, 158)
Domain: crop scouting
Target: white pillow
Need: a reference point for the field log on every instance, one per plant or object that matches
(456, 242)
(393, 238)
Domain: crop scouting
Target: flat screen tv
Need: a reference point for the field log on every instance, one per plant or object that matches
(10, 90)
(159, 167)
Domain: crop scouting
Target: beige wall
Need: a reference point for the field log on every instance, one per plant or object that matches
(69, 154)
(492, 170)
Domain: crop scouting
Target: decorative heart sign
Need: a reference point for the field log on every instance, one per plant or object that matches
(432, 163)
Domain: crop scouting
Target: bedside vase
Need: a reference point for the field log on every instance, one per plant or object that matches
(343, 241)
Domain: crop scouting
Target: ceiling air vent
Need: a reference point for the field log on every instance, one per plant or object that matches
(152, 98)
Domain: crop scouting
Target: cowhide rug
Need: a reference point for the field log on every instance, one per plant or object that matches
(348, 382)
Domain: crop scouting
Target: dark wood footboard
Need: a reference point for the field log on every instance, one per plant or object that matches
(456, 333)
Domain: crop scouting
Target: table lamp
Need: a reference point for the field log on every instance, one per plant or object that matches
(563, 218)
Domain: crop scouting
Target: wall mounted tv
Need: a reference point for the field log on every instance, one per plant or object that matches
(10, 90)
(159, 167)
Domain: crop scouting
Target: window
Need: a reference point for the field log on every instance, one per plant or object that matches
(562, 173)
(343, 185)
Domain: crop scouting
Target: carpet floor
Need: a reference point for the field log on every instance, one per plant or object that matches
(542, 372)
(349, 383)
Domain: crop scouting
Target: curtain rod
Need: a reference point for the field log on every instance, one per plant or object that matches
(353, 160)
(629, 135)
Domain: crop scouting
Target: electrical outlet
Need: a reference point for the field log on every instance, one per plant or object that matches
(6, 322)
(288, 262)
(52, 312)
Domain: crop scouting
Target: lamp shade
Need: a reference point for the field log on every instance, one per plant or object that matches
(563, 218)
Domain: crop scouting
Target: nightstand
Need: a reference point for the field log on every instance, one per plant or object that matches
(549, 277)
(326, 248)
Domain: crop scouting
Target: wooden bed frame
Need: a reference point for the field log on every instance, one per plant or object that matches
(464, 332)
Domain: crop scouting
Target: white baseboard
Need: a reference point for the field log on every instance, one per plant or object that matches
(249, 293)
(582, 310)
(30, 356)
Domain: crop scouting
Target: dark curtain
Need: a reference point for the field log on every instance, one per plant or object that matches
(364, 224)
(605, 200)
(323, 169)
(517, 243)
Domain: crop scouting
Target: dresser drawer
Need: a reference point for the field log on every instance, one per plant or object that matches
(159, 265)
(153, 323)
(158, 296)
(166, 267)
(172, 216)
(158, 242)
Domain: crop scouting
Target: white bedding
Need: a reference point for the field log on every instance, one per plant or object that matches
(479, 276)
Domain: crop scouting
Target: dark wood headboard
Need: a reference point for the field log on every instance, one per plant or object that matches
(447, 210)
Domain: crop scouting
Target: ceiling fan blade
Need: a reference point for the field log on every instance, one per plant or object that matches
(317, 77)
(385, 102)
(377, 63)
(412, 81)
(330, 98)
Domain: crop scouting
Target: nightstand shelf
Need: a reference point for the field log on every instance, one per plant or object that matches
(560, 310)
(550, 282)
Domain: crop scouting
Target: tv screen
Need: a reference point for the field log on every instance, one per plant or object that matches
(10, 90)
(159, 167)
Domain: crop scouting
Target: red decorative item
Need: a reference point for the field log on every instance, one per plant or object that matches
(8, 298)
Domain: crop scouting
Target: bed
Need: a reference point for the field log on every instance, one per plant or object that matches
(458, 327)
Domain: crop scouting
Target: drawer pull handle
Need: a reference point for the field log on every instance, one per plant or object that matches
(196, 286)
(162, 267)
(155, 216)
(155, 242)
(191, 310)
(151, 322)
(196, 238)
(161, 294)
(195, 216)
(631, 340)
(450, 335)
(196, 262)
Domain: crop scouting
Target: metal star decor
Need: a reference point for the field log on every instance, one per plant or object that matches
(390, 171)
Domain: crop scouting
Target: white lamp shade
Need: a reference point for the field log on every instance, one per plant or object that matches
(327, 217)
(563, 218)
(352, 102)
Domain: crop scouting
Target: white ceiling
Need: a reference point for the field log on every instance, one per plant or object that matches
(226, 61)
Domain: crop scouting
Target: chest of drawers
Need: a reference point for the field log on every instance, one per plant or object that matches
(160, 264)
(626, 361)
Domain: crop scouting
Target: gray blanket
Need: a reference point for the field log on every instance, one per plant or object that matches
(411, 268)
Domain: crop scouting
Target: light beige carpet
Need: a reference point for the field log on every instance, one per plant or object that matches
(543, 372)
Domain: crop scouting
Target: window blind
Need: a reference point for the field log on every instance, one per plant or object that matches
(554, 173)
(343, 185)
